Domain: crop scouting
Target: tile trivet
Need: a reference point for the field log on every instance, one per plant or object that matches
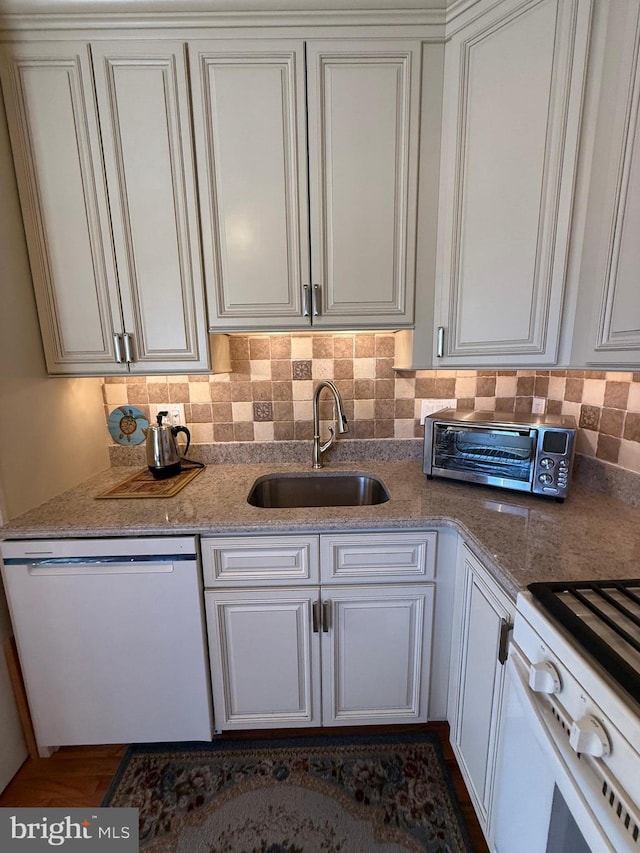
(144, 485)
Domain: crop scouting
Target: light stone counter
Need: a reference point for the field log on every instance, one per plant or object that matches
(520, 538)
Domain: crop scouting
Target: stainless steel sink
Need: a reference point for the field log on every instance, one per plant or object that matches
(282, 491)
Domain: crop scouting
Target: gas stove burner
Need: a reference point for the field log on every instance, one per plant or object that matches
(604, 618)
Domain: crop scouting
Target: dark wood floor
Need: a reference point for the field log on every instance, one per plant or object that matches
(80, 775)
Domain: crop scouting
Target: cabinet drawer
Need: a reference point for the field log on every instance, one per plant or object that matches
(247, 561)
(376, 557)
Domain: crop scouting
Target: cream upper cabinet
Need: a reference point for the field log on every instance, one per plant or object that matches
(250, 134)
(514, 77)
(607, 328)
(363, 112)
(308, 192)
(116, 264)
(56, 148)
(143, 103)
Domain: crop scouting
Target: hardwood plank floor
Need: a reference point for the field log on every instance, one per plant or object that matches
(73, 776)
(80, 775)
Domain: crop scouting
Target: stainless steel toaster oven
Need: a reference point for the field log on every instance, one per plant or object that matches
(529, 453)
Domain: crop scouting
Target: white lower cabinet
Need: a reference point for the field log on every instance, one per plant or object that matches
(307, 655)
(265, 658)
(484, 616)
(376, 645)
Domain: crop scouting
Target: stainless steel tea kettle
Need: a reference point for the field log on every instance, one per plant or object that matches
(163, 457)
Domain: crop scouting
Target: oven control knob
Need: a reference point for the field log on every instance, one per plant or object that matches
(545, 478)
(544, 678)
(588, 735)
(546, 463)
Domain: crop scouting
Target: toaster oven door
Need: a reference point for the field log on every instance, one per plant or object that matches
(496, 456)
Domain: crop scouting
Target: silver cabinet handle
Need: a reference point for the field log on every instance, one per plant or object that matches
(128, 351)
(117, 348)
(315, 616)
(305, 300)
(326, 616)
(506, 628)
(316, 300)
(440, 349)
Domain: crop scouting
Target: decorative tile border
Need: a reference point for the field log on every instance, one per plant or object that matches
(267, 396)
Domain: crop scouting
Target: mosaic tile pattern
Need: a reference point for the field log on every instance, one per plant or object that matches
(267, 396)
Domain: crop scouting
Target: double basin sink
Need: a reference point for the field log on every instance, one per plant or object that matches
(289, 491)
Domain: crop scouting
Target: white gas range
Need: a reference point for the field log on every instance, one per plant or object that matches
(568, 776)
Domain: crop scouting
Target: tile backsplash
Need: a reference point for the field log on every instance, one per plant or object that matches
(268, 394)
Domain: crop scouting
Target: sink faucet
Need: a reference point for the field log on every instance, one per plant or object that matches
(320, 449)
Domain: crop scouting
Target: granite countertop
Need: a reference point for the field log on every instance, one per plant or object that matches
(520, 538)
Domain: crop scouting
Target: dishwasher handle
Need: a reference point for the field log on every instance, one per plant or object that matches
(95, 569)
(132, 564)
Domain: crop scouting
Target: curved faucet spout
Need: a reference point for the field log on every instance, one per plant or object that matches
(319, 449)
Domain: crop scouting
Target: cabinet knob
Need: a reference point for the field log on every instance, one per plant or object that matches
(544, 678)
(588, 736)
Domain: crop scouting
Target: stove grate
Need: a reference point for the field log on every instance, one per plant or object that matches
(614, 604)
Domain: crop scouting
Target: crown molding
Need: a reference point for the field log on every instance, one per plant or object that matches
(55, 15)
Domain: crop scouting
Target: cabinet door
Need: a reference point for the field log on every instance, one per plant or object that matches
(478, 680)
(364, 111)
(514, 78)
(265, 658)
(48, 91)
(250, 132)
(376, 645)
(143, 102)
(607, 329)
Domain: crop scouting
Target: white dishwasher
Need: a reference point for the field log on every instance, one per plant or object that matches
(111, 639)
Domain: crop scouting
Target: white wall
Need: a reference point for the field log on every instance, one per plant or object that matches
(52, 431)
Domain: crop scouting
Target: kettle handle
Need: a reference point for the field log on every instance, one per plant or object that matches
(176, 429)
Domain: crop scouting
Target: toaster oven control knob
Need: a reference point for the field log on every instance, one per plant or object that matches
(546, 479)
(546, 463)
(544, 678)
(588, 736)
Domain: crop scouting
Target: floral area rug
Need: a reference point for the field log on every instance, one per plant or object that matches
(359, 794)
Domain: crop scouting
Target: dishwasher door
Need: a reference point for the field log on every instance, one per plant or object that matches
(111, 639)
